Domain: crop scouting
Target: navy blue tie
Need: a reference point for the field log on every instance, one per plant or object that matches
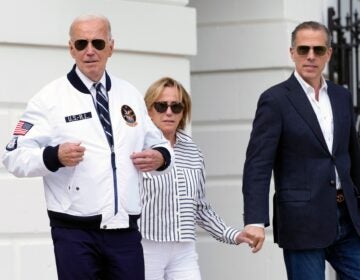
(102, 105)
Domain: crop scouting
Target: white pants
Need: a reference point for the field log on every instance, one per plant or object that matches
(170, 260)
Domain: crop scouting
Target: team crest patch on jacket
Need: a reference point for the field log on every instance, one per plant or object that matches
(22, 128)
(12, 144)
(129, 115)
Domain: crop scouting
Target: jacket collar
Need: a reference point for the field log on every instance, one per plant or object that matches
(80, 86)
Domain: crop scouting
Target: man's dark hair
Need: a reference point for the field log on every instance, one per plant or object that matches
(314, 26)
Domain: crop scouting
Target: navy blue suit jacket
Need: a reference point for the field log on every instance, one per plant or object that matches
(287, 140)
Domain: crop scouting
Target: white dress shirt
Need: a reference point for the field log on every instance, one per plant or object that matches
(323, 112)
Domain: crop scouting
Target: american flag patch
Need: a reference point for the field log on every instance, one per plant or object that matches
(22, 128)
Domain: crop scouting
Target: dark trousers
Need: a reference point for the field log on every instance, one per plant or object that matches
(343, 255)
(98, 254)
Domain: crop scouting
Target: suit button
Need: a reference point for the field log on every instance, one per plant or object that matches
(332, 182)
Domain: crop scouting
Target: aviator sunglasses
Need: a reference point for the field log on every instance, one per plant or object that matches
(81, 44)
(161, 107)
(318, 50)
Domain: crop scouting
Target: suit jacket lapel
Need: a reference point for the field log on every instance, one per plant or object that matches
(302, 105)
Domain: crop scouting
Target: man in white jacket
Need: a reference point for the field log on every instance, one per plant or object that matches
(90, 163)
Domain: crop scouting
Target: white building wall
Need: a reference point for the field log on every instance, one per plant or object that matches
(243, 48)
(152, 39)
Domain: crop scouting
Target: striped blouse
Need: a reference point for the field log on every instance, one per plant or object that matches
(173, 203)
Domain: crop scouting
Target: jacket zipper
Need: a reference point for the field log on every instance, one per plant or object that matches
(113, 165)
(112, 157)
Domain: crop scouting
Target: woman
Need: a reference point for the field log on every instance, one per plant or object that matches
(173, 203)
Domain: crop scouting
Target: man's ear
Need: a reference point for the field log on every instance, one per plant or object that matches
(71, 49)
(292, 50)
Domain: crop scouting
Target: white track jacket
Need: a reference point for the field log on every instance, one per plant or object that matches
(103, 191)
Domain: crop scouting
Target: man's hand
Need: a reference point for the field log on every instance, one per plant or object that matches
(242, 237)
(257, 235)
(71, 154)
(147, 160)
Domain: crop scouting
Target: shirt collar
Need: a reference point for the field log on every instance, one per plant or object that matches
(182, 136)
(308, 88)
(87, 82)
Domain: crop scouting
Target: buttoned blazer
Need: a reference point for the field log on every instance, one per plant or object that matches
(287, 141)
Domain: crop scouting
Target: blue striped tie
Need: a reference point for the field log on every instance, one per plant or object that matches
(102, 105)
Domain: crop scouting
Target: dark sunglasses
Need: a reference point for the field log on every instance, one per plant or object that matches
(161, 107)
(81, 44)
(318, 50)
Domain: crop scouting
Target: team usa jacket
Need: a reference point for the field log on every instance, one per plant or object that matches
(103, 190)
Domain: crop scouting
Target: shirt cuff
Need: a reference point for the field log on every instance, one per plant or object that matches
(256, 225)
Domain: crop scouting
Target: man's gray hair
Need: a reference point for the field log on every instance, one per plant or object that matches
(90, 17)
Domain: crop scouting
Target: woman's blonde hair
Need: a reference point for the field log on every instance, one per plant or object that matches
(155, 90)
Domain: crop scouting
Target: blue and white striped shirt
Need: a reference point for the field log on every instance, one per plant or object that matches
(174, 202)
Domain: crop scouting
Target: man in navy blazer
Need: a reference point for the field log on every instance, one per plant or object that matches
(304, 133)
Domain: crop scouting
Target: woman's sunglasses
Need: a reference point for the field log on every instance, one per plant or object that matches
(161, 107)
(81, 44)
